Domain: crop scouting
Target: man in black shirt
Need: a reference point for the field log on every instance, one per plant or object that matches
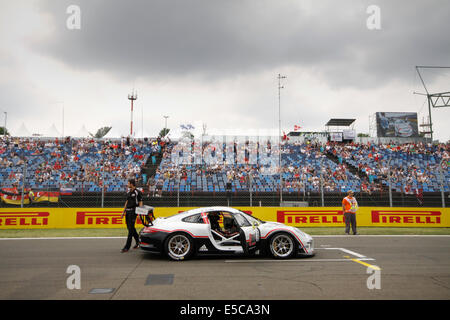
(134, 199)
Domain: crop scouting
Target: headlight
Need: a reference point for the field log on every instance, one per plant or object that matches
(310, 245)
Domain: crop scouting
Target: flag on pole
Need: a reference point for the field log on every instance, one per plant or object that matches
(187, 126)
(41, 196)
(12, 196)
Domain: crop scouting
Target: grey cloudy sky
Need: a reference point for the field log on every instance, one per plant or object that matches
(216, 62)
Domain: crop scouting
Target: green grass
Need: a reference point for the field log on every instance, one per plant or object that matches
(44, 233)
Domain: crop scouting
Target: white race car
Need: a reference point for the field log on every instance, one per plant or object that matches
(402, 128)
(223, 230)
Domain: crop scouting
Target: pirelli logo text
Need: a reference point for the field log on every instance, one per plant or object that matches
(24, 218)
(101, 218)
(96, 218)
(406, 217)
(296, 217)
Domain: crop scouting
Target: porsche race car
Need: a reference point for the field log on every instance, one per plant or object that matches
(402, 128)
(223, 230)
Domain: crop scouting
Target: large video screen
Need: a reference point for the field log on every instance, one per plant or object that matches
(397, 124)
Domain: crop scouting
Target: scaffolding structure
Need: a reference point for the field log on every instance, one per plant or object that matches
(435, 100)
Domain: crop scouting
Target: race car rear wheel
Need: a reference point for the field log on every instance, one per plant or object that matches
(179, 246)
(282, 246)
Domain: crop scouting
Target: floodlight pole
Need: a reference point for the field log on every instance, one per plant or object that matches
(165, 125)
(429, 118)
(279, 134)
(132, 97)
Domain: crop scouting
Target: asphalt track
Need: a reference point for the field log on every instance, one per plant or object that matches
(411, 267)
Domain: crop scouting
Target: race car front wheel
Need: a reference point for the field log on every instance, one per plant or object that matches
(282, 246)
(179, 246)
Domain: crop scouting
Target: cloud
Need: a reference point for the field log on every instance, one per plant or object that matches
(216, 62)
(217, 39)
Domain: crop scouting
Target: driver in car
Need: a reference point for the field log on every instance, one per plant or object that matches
(214, 220)
(230, 226)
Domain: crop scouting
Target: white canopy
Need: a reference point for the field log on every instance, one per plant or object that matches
(52, 132)
(83, 132)
(113, 133)
(23, 131)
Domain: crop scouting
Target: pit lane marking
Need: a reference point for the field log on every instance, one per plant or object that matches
(364, 263)
(344, 250)
(358, 255)
(346, 258)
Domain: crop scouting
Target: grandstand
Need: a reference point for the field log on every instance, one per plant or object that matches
(302, 167)
(415, 166)
(82, 169)
(78, 165)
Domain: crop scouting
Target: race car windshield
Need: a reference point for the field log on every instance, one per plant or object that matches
(249, 217)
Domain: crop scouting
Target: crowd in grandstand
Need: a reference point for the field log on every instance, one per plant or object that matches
(304, 164)
(88, 164)
(303, 167)
(74, 162)
(410, 164)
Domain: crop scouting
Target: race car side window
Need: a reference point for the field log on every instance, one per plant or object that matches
(196, 218)
(242, 222)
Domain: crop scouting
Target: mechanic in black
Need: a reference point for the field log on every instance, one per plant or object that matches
(134, 199)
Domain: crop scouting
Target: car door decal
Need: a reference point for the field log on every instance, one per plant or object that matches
(205, 217)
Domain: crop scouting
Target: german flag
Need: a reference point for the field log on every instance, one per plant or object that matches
(45, 196)
(10, 197)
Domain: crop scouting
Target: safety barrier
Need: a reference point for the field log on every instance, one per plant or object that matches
(52, 218)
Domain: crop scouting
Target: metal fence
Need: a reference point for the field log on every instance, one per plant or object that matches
(190, 199)
(388, 194)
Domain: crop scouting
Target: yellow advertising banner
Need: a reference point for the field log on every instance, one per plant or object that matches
(52, 218)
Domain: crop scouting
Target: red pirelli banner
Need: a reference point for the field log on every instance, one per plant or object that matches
(39, 218)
